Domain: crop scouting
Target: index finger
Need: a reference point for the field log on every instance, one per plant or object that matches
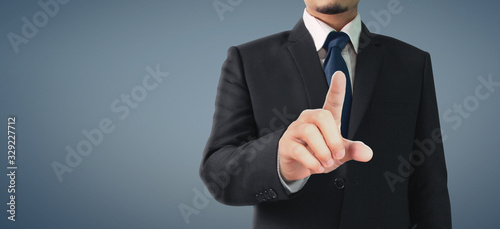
(335, 96)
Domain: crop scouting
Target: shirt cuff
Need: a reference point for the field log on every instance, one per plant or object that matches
(292, 186)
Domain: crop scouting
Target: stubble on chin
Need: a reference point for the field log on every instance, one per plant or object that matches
(334, 8)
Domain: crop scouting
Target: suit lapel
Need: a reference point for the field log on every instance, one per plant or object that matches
(303, 52)
(368, 63)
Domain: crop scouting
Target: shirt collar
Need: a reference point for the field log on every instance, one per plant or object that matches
(320, 30)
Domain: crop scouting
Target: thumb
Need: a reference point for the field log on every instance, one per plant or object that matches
(357, 151)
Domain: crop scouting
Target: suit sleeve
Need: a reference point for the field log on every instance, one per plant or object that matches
(239, 166)
(428, 192)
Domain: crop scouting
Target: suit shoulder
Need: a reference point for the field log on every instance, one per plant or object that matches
(401, 46)
(265, 43)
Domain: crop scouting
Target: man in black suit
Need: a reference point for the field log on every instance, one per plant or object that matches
(366, 154)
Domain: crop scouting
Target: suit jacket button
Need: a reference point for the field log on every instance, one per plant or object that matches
(339, 183)
(262, 197)
(266, 195)
(273, 194)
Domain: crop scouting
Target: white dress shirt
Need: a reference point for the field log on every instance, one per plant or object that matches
(319, 32)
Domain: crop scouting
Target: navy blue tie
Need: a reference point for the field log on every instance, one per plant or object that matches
(335, 42)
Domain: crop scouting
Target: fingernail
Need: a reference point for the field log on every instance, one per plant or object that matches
(340, 154)
(329, 163)
(321, 169)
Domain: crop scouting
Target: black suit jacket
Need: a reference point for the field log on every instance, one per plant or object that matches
(265, 85)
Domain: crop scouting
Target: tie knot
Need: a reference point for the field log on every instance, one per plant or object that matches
(336, 39)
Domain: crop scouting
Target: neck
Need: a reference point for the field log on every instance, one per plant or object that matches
(336, 21)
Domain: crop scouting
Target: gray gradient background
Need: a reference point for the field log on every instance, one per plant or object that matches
(65, 79)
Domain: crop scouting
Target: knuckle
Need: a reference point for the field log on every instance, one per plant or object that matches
(337, 142)
(285, 137)
(293, 124)
(291, 130)
(334, 103)
(322, 114)
(322, 155)
(314, 166)
(336, 147)
(305, 113)
(295, 151)
(305, 160)
(282, 144)
(308, 130)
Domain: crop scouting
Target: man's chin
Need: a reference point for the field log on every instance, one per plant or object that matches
(332, 9)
